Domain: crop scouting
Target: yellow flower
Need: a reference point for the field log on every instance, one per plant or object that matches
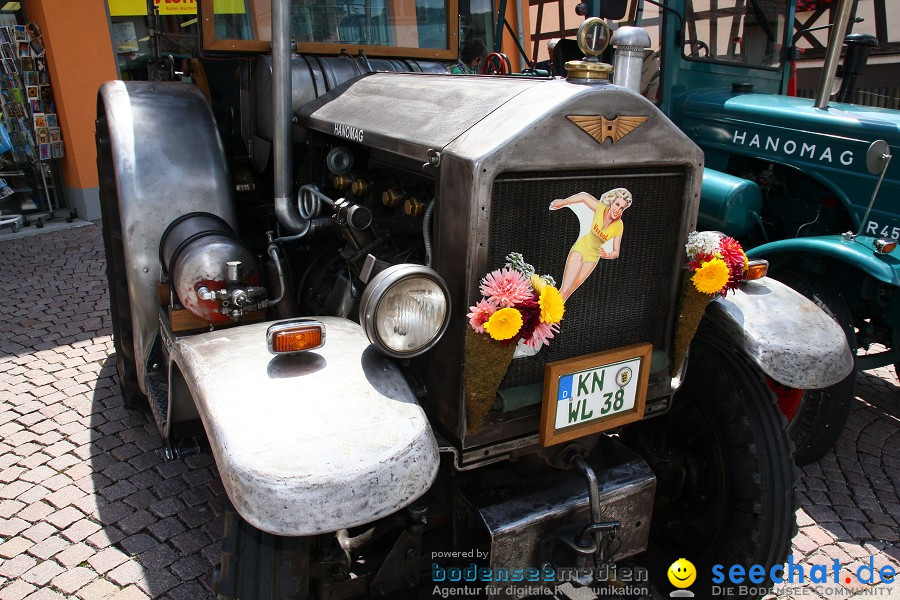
(552, 307)
(746, 260)
(504, 324)
(538, 282)
(711, 277)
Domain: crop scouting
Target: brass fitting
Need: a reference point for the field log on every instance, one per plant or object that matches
(359, 187)
(390, 197)
(340, 182)
(413, 208)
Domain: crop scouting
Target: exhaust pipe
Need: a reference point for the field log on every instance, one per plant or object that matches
(286, 205)
(833, 54)
(628, 66)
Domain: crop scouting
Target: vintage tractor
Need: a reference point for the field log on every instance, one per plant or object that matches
(290, 265)
(806, 183)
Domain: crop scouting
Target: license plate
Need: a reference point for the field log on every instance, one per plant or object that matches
(594, 393)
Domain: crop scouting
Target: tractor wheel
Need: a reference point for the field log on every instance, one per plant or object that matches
(725, 473)
(116, 274)
(260, 566)
(818, 421)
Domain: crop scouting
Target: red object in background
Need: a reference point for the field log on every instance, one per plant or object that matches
(794, 52)
(805, 5)
(792, 79)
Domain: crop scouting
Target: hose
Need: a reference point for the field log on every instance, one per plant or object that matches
(276, 258)
(286, 239)
(311, 201)
(315, 226)
(296, 214)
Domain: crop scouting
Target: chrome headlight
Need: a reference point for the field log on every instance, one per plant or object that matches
(405, 310)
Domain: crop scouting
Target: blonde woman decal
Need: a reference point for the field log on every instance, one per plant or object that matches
(600, 233)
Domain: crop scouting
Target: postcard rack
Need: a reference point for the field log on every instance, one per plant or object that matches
(29, 109)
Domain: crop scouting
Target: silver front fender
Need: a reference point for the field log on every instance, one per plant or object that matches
(788, 337)
(309, 443)
(168, 161)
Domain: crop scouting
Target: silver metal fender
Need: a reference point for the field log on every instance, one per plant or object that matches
(309, 443)
(168, 161)
(788, 337)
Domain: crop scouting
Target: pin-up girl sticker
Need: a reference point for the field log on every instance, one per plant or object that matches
(600, 233)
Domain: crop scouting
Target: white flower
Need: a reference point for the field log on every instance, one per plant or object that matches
(702, 242)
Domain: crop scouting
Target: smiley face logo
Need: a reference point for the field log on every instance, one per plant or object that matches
(682, 573)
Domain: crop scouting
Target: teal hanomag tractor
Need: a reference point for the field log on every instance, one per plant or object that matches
(807, 184)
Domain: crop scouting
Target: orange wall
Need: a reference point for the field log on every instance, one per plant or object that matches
(79, 58)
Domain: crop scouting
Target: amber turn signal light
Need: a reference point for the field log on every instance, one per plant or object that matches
(757, 269)
(885, 246)
(295, 336)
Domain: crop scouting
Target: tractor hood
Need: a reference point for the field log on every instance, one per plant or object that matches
(839, 120)
(829, 145)
(417, 114)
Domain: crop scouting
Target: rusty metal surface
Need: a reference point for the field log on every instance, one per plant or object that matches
(313, 442)
(169, 161)
(791, 339)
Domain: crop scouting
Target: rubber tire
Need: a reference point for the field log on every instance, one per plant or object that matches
(746, 515)
(116, 274)
(823, 413)
(257, 565)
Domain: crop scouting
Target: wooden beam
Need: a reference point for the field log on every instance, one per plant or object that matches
(881, 26)
(537, 31)
(808, 35)
(183, 320)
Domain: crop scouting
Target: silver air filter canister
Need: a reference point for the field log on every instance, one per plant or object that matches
(630, 44)
(199, 250)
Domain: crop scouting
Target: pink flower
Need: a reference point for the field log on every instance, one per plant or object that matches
(732, 253)
(480, 313)
(543, 333)
(506, 287)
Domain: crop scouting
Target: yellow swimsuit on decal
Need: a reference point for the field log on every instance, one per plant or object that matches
(589, 244)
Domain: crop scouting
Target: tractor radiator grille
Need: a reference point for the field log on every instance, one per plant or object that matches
(624, 301)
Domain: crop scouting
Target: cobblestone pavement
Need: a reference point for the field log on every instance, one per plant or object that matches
(89, 509)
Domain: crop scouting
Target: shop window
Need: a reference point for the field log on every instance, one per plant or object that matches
(378, 27)
(145, 33)
(476, 20)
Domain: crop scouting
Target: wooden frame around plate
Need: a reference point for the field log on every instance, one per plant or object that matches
(552, 373)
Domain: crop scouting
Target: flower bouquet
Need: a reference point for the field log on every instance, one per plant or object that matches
(716, 265)
(518, 307)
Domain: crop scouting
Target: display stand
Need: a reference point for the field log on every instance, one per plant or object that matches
(29, 115)
(54, 212)
(16, 221)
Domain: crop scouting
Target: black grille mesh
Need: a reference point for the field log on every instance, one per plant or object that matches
(624, 301)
